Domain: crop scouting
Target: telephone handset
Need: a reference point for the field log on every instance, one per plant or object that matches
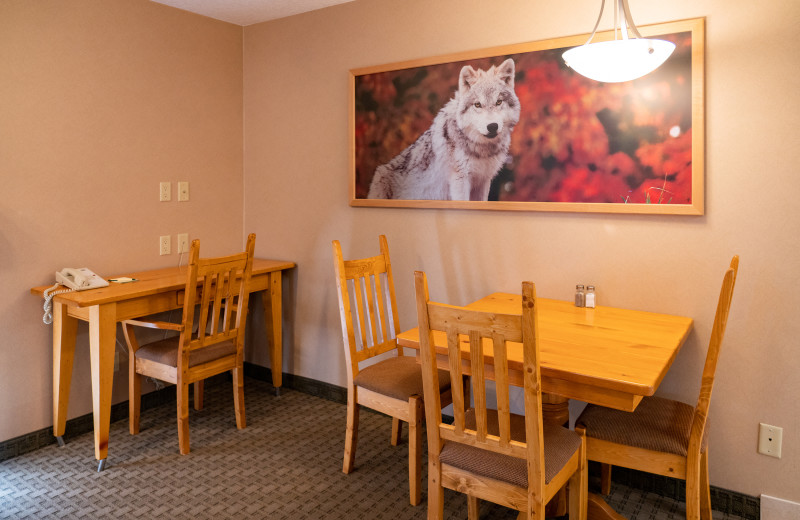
(79, 279)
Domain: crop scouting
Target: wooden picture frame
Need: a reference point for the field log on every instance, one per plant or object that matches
(579, 145)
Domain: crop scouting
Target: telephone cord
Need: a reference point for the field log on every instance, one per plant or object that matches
(49, 294)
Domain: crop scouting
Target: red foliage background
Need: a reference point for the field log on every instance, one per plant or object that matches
(577, 140)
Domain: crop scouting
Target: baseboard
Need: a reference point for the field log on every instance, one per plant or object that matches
(79, 425)
(723, 500)
(778, 509)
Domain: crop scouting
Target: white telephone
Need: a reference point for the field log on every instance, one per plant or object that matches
(79, 279)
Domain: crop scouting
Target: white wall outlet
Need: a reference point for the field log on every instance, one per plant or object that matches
(164, 192)
(183, 243)
(164, 245)
(183, 191)
(769, 440)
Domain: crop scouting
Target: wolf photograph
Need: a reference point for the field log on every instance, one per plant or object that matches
(460, 154)
(524, 127)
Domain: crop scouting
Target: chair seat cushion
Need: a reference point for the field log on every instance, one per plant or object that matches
(165, 352)
(560, 444)
(657, 424)
(399, 377)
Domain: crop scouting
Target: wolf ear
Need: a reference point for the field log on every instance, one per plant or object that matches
(506, 72)
(467, 77)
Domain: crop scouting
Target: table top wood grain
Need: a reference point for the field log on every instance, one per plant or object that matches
(605, 355)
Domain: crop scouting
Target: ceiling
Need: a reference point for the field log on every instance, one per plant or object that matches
(248, 12)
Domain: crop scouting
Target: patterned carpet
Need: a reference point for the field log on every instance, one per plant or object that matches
(285, 465)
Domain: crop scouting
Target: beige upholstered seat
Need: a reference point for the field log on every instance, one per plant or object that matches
(559, 446)
(519, 462)
(217, 347)
(658, 424)
(398, 377)
(393, 385)
(663, 436)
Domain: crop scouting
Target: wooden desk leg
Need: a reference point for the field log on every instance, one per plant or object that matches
(65, 329)
(102, 341)
(555, 409)
(272, 319)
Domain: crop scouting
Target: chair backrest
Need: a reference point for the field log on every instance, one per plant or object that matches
(488, 334)
(222, 300)
(710, 367)
(367, 305)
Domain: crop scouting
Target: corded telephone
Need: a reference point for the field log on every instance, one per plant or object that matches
(79, 279)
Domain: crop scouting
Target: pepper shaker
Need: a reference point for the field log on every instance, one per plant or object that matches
(579, 296)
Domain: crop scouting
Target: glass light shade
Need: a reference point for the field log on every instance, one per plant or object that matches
(618, 60)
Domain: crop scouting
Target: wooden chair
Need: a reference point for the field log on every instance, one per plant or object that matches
(393, 385)
(192, 357)
(663, 436)
(518, 462)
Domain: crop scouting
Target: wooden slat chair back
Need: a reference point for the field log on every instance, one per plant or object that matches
(513, 473)
(369, 305)
(210, 340)
(390, 384)
(663, 436)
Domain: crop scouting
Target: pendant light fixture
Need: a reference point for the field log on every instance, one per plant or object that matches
(623, 58)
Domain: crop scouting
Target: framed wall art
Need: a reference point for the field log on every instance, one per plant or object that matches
(513, 128)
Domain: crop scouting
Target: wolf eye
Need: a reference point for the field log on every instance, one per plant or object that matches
(477, 104)
(499, 102)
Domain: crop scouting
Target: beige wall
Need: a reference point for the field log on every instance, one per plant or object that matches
(296, 193)
(100, 100)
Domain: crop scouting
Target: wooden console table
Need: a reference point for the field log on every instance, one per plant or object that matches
(154, 291)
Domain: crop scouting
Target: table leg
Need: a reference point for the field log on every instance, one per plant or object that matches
(102, 341)
(65, 329)
(272, 319)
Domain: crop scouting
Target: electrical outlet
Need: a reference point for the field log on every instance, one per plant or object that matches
(183, 243)
(164, 192)
(183, 191)
(163, 245)
(769, 440)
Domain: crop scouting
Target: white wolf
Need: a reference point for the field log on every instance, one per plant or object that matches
(463, 150)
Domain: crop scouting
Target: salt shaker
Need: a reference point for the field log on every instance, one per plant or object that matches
(590, 297)
(579, 297)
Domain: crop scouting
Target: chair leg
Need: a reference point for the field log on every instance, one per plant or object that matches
(198, 395)
(579, 485)
(415, 414)
(473, 508)
(435, 489)
(183, 416)
(238, 396)
(705, 488)
(134, 398)
(693, 487)
(397, 431)
(351, 434)
(605, 478)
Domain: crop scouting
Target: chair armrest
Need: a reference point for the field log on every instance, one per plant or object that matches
(150, 324)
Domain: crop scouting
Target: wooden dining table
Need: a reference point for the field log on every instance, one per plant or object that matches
(605, 355)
